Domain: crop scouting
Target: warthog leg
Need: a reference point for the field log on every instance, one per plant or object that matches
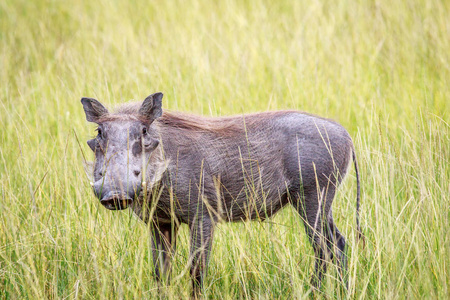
(201, 239)
(163, 248)
(337, 245)
(327, 242)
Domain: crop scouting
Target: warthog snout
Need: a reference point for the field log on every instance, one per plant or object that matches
(114, 201)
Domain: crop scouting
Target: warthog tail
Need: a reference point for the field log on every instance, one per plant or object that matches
(358, 197)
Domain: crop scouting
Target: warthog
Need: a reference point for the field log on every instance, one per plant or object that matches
(173, 168)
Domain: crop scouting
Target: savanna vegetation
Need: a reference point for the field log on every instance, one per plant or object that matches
(380, 68)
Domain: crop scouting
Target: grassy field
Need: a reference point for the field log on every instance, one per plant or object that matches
(380, 68)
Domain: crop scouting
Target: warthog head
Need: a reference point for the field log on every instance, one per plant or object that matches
(125, 145)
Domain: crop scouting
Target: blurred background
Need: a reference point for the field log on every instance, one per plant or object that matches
(380, 68)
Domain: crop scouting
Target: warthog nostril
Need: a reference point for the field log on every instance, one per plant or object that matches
(137, 172)
(113, 201)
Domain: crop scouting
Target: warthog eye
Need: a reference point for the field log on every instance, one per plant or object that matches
(99, 131)
(144, 131)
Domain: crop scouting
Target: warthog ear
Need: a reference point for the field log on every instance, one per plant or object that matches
(92, 144)
(151, 107)
(93, 109)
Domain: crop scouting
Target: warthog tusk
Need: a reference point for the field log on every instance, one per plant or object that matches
(91, 183)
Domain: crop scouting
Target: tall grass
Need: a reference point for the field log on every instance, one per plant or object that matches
(381, 68)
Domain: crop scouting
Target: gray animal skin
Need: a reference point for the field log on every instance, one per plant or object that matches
(173, 168)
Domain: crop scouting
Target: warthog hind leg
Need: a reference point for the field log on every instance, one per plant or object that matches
(337, 245)
(327, 242)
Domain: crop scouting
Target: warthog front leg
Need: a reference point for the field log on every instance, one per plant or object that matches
(163, 248)
(201, 240)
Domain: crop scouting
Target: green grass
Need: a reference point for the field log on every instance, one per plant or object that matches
(380, 68)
